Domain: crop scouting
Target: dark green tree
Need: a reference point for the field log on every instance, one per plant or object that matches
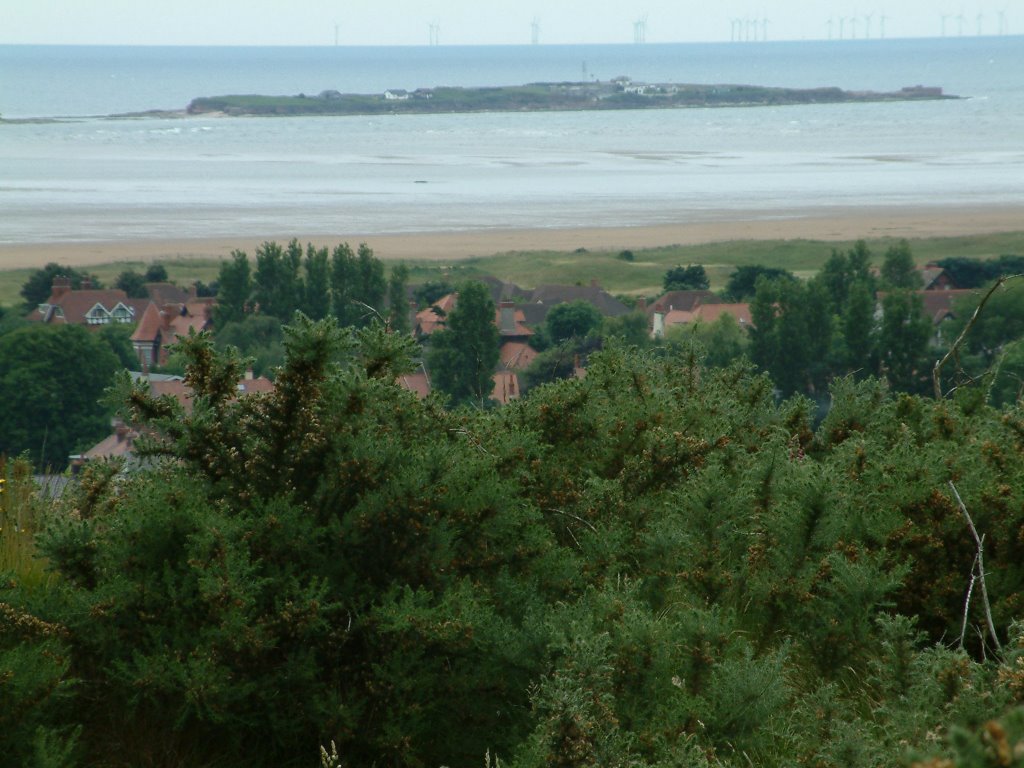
(688, 278)
(156, 273)
(372, 283)
(277, 282)
(792, 334)
(572, 320)
(742, 282)
(345, 285)
(37, 288)
(119, 338)
(316, 303)
(632, 328)
(898, 271)
(903, 342)
(257, 337)
(398, 302)
(462, 357)
(857, 324)
(52, 380)
(132, 283)
(234, 290)
(432, 290)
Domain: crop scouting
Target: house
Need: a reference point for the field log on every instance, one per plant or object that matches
(704, 313)
(935, 278)
(88, 306)
(396, 94)
(537, 303)
(159, 328)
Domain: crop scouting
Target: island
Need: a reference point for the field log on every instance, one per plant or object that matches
(619, 93)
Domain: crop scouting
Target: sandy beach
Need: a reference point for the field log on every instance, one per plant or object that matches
(834, 225)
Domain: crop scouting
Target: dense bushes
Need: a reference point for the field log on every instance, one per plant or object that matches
(654, 566)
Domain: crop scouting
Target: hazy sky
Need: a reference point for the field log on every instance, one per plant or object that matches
(468, 22)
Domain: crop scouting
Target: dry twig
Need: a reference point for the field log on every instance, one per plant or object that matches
(979, 571)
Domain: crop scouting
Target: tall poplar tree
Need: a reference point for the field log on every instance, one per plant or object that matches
(463, 355)
(235, 289)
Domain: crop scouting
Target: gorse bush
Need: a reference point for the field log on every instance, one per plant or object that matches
(657, 565)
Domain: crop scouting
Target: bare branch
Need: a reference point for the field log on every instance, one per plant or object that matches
(967, 600)
(955, 349)
(574, 517)
(980, 561)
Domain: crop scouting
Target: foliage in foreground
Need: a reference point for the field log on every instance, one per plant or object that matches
(654, 566)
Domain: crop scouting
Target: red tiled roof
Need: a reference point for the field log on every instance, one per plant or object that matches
(75, 305)
(683, 300)
(428, 321)
(417, 383)
(149, 326)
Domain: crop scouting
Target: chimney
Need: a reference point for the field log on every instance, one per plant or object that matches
(193, 293)
(248, 374)
(507, 322)
(641, 304)
(61, 285)
(86, 283)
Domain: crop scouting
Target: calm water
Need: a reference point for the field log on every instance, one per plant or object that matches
(92, 178)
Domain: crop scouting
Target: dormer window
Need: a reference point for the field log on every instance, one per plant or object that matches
(122, 314)
(98, 315)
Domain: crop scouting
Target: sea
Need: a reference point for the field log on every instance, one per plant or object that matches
(71, 171)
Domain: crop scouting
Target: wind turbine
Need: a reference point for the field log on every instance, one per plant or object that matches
(842, 26)
(1004, 26)
(829, 25)
(535, 31)
(881, 26)
(979, 19)
(960, 23)
(944, 17)
(853, 27)
(435, 32)
(867, 25)
(764, 28)
(640, 30)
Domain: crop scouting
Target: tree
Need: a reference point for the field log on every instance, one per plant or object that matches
(429, 292)
(37, 288)
(316, 303)
(898, 270)
(462, 357)
(689, 278)
(903, 342)
(277, 282)
(344, 285)
(372, 283)
(52, 379)
(742, 282)
(724, 341)
(132, 283)
(792, 334)
(398, 303)
(572, 320)
(234, 290)
(258, 337)
(156, 273)
(632, 328)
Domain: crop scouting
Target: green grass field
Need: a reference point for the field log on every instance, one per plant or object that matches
(642, 276)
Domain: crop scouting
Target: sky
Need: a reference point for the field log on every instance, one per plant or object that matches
(489, 22)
